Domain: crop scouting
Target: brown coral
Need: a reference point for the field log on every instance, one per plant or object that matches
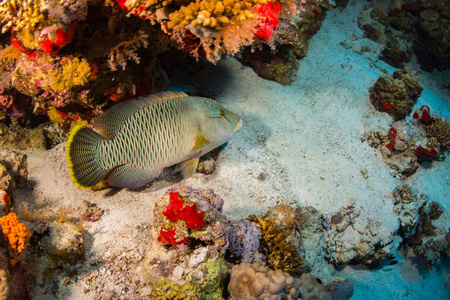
(279, 241)
(440, 131)
(396, 95)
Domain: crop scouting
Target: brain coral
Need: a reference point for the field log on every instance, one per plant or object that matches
(254, 281)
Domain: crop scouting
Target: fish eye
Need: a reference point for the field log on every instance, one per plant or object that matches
(222, 113)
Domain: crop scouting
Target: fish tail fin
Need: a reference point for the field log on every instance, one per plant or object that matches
(81, 154)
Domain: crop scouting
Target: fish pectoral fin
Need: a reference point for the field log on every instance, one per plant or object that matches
(127, 176)
(188, 167)
(200, 142)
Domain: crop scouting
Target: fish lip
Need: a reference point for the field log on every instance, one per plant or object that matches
(238, 125)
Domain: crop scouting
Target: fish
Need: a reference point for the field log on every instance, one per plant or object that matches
(131, 143)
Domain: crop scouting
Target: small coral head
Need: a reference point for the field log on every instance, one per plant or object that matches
(423, 153)
(176, 210)
(52, 45)
(423, 114)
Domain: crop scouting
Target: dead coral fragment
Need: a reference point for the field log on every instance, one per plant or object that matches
(17, 235)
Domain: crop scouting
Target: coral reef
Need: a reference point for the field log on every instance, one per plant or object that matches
(14, 168)
(409, 143)
(41, 25)
(407, 206)
(254, 281)
(396, 95)
(438, 134)
(192, 252)
(291, 40)
(428, 241)
(404, 27)
(244, 238)
(52, 40)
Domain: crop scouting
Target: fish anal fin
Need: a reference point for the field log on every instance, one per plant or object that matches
(188, 167)
(127, 176)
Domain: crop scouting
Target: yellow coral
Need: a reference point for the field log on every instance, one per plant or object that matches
(213, 13)
(169, 290)
(22, 14)
(282, 250)
(73, 73)
(17, 235)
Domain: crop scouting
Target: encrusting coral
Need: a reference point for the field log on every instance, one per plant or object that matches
(17, 235)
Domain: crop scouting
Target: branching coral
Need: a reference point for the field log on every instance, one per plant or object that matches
(213, 14)
(22, 14)
(17, 235)
(126, 50)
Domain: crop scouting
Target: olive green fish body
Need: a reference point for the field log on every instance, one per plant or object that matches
(135, 140)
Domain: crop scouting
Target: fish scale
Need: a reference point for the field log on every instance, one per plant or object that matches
(135, 140)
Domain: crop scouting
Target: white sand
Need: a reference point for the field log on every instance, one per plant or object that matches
(308, 141)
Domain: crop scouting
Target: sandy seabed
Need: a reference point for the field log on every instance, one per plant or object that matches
(307, 142)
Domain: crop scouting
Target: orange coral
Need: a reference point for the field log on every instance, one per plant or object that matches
(17, 235)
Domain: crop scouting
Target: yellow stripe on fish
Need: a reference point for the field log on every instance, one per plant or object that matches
(135, 140)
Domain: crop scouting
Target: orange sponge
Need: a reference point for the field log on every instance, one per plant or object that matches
(17, 235)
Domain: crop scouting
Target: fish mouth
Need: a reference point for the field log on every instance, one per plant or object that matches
(238, 125)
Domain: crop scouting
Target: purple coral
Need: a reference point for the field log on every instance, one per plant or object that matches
(243, 237)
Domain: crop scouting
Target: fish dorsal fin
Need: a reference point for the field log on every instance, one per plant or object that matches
(108, 123)
(188, 167)
(200, 142)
